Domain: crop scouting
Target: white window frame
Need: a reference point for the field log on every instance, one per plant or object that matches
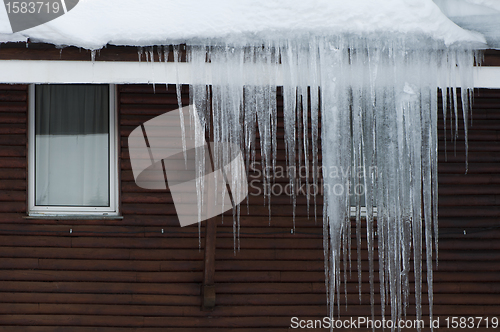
(113, 208)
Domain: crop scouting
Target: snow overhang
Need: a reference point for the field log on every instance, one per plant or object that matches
(93, 24)
(482, 16)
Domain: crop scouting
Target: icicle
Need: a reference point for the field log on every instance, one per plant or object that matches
(289, 111)
(314, 94)
(159, 52)
(151, 54)
(178, 91)
(198, 108)
(140, 51)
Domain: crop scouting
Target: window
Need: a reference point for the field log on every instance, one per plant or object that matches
(72, 150)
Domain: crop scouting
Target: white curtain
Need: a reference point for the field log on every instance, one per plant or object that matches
(72, 145)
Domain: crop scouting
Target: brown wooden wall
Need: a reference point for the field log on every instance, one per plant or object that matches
(125, 275)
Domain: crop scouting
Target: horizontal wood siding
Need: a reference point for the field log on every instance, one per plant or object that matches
(128, 275)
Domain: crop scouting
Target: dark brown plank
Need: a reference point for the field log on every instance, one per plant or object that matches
(101, 287)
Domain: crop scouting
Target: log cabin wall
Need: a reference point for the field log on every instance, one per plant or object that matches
(128, 275)
(114, 274)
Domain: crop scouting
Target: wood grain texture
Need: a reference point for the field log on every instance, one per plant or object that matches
(127, 275)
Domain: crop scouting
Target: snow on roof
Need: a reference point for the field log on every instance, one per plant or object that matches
(95, 23)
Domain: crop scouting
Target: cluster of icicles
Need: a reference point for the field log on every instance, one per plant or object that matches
(377, 102)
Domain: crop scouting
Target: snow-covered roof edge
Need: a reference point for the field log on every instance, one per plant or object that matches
(92, 24)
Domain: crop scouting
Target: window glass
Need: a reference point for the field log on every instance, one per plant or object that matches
(71, 153)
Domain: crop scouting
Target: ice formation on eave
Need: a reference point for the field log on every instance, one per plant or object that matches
(377, 102)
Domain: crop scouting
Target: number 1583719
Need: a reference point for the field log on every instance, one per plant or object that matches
(33, 7)
(471, 322)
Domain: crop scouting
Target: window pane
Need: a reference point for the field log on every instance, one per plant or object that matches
(72, 145)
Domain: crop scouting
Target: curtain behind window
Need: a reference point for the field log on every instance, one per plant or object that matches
(72, 145)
